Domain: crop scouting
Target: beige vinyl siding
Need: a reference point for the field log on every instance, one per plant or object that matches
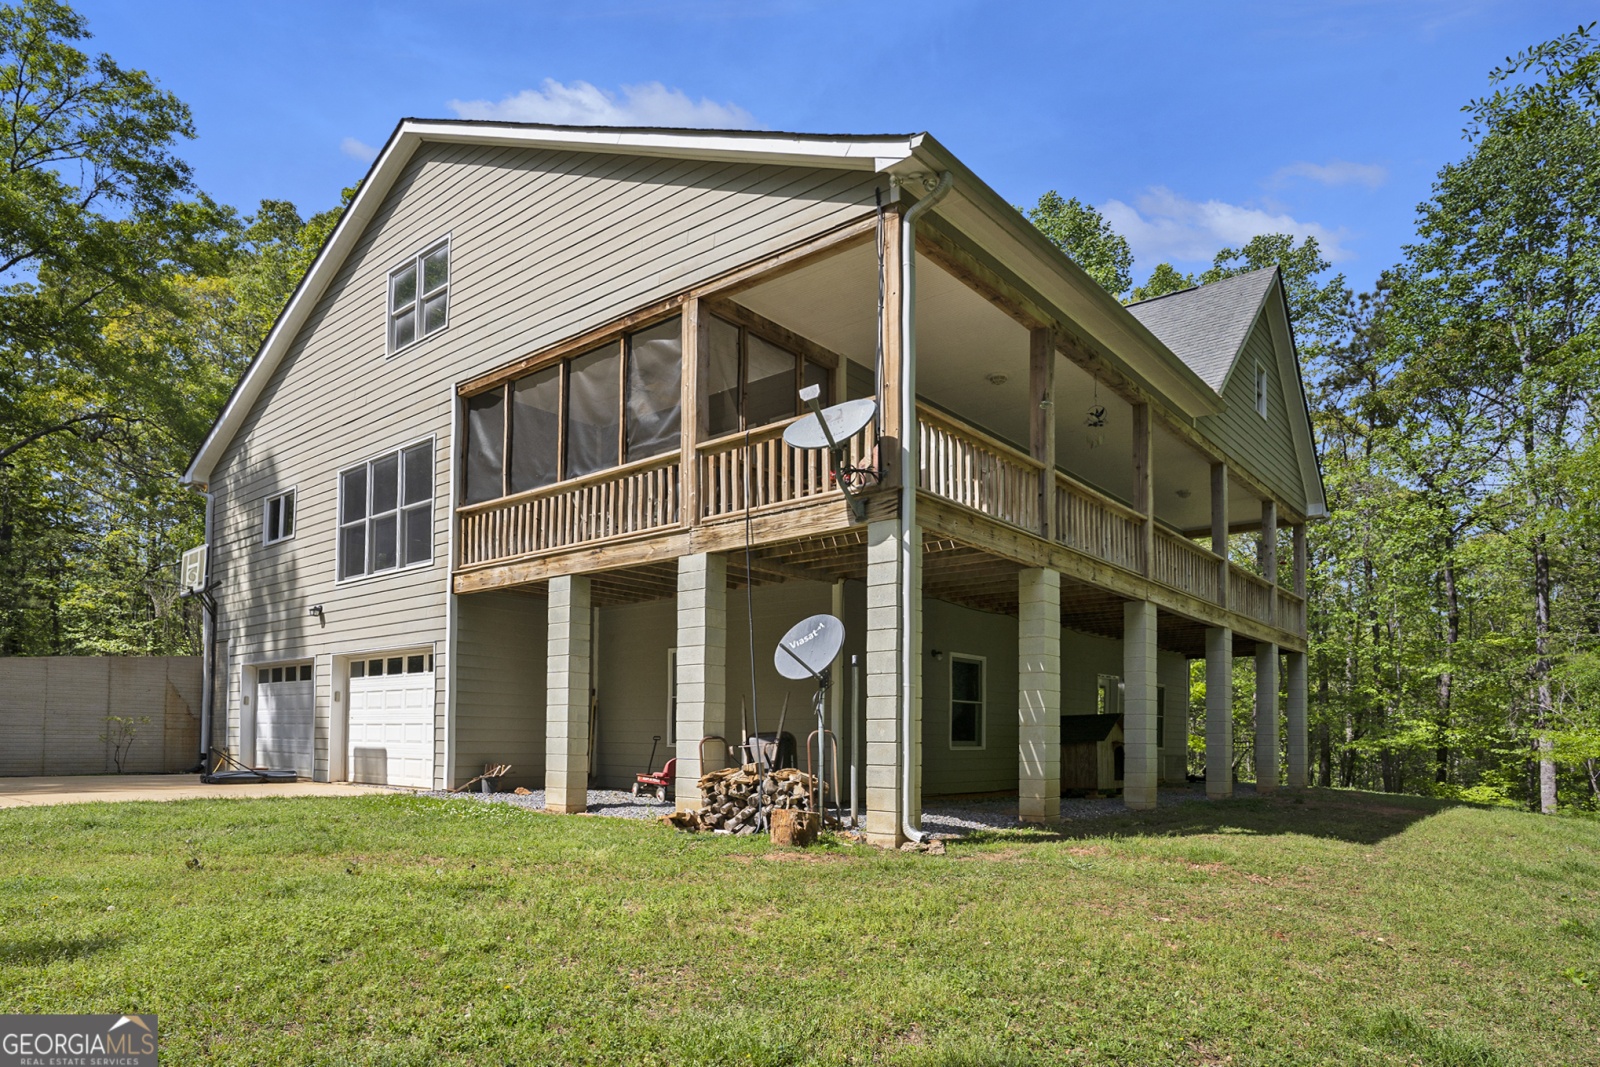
(631, 643)
(959, 630)
(500, 686)
(1264, 446)
(543, 245)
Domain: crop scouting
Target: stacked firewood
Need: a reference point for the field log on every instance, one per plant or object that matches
(733, 800)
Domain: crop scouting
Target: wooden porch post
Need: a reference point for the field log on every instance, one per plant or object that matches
(1269, 555)
(890, 426)
(694, 412)
(1219, 528)
(1042, 417)
(1144, 485)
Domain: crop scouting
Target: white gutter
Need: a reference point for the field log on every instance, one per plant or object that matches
(910, 647)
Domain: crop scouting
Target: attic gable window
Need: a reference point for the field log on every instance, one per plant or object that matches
(1261, 390)
(419, 296)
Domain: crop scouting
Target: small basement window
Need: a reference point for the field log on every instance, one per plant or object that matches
(966, 701)
(277, 520)
(419, 296)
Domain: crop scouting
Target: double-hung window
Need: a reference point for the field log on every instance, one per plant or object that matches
(386, 512)
(277, 518)
(966, 701)
(419, 296)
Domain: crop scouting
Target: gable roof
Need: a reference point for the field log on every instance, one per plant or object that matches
(1206, 326)
(972, 206)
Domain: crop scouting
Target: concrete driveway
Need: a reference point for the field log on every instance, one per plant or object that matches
(83, 789)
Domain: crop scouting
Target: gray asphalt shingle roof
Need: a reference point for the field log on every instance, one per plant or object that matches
(1206, 326)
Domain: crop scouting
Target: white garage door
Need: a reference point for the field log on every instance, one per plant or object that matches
(391, 720)
(285, 698)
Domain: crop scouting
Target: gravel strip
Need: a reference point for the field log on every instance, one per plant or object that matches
(947, 818)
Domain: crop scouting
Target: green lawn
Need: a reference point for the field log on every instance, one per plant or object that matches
(1339, 927)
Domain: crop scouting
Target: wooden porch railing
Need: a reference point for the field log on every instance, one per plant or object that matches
(626, 500)
(778, 473)
(1291, 612)
(968, 467)
(1097, 525)
(1186, 566)
(1249, 594)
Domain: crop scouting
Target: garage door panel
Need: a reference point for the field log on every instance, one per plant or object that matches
(391, 728)
(285, 728)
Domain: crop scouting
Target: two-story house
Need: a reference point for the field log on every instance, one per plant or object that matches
(507, 483)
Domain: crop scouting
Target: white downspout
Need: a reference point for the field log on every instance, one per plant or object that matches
(208, 644)
(910, 650)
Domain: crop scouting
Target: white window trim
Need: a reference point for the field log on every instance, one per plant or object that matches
(983, 704)
(1262, 390)
(338, 527)
(1115, 690)
(293, 493)
(415, 260)
(671, 735)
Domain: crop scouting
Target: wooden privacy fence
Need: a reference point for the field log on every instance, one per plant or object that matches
(631, 499)
(966, 466)
(778, 474)
(53, 713)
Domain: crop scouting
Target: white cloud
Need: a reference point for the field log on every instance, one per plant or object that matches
(582, 104)
(358, 150)
(1334, 172)
(1161, 225)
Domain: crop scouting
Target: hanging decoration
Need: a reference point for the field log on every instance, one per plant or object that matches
(1094, 423)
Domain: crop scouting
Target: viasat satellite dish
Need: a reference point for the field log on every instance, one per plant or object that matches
(842, 422)
(809, 647)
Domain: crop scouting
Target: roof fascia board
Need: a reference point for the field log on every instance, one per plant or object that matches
(1277, 312)
(835, 153)
(1001, 230)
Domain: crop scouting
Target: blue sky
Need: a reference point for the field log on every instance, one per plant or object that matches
(1191, 125)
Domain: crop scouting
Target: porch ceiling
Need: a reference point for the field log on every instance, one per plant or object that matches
(972, 360)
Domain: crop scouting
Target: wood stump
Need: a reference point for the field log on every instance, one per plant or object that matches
(794, 826)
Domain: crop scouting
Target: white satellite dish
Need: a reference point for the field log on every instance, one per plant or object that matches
(809, 647)
(193, 578)
(842, 422)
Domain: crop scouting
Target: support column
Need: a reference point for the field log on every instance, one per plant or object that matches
(1269, 555)
(885, 683)
(702, 669)
(1219, 712)
(1144, 486)
(1299, 739)
(1266, 717)
(1219, 528)
(1140, 767)
(1039, 696)
(566, 717)
(1042, 421)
